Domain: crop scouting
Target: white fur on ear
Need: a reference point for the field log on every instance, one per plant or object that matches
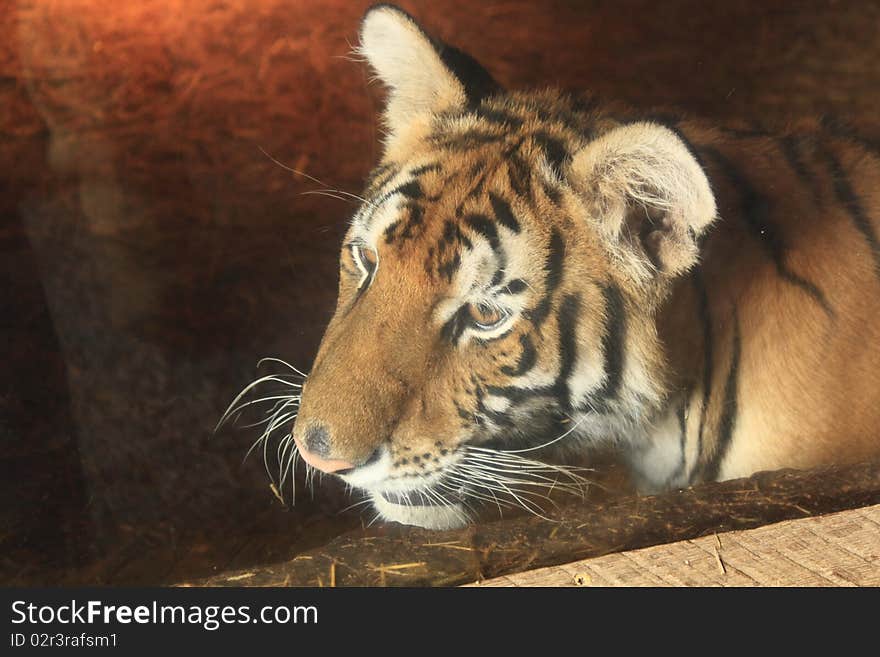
(649, 196)
(409, 65)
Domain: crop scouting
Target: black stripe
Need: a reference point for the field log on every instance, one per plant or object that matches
(390, 231)
(554, 150)
(555, 262)
(556, 424)
(477, 81)
(515, 286)
(553, 266)
(527, 358)
(482, 225)
(613, 343)
(478, 415)
(499, 418)
(519, 175)
(519, 395)
(448, 256)
(450, 230)
(557, 114)
(414, 220)
(728, 411)
(480, 172)
(385, 172)
(425, 168)
(842, 130)
(791, 146)
(850, 200)
(468, 140)
(567, 319)
(551, 192)
(411, 190)
(682, 426)
(504, 213)
(756, 212)
(429, 262)
(449, 267)
(455, 325)
(705, 316)
(499, 117)
(682, 439)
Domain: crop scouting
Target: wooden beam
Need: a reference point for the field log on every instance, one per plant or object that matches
(840, 549)
(395, 555)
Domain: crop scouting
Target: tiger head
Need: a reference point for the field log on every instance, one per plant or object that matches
(498, 286)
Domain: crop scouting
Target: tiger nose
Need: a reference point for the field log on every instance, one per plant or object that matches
(315, 448)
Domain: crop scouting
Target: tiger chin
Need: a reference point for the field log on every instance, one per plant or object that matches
(535, 270)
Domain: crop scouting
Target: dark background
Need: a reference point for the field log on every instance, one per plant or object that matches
(152, 253)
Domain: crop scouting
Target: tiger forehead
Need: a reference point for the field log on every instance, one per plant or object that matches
(446, 218)
(473, 176)
(467, 174)
(517, 130)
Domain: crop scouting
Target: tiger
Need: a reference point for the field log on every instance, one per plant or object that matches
(537, 272)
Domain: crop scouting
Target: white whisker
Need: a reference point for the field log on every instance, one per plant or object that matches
(284, 166)
(246, 390)
(548, 443)
(285, 398)
(344, 193)
(283, 412)
(366, 500)
(537, 479)
(271, 359)
(500, 485)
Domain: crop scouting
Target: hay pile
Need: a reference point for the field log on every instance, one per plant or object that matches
(164, 91)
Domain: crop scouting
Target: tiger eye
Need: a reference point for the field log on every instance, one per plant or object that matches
(485, 315)
(369, 257)
(364, 256)
(366, 260)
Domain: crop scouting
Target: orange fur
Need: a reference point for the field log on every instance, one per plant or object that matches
(706, 298)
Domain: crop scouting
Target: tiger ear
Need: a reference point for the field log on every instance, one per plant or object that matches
(649, 196)
(422, 74)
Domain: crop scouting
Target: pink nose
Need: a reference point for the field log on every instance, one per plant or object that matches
(324, 465)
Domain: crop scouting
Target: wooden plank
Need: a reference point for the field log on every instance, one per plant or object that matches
(395, 555)
(841, 549)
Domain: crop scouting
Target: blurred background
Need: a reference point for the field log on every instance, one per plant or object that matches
(152, 250)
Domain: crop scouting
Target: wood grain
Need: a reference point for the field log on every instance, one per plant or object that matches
(840, 549)
(401, 556)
